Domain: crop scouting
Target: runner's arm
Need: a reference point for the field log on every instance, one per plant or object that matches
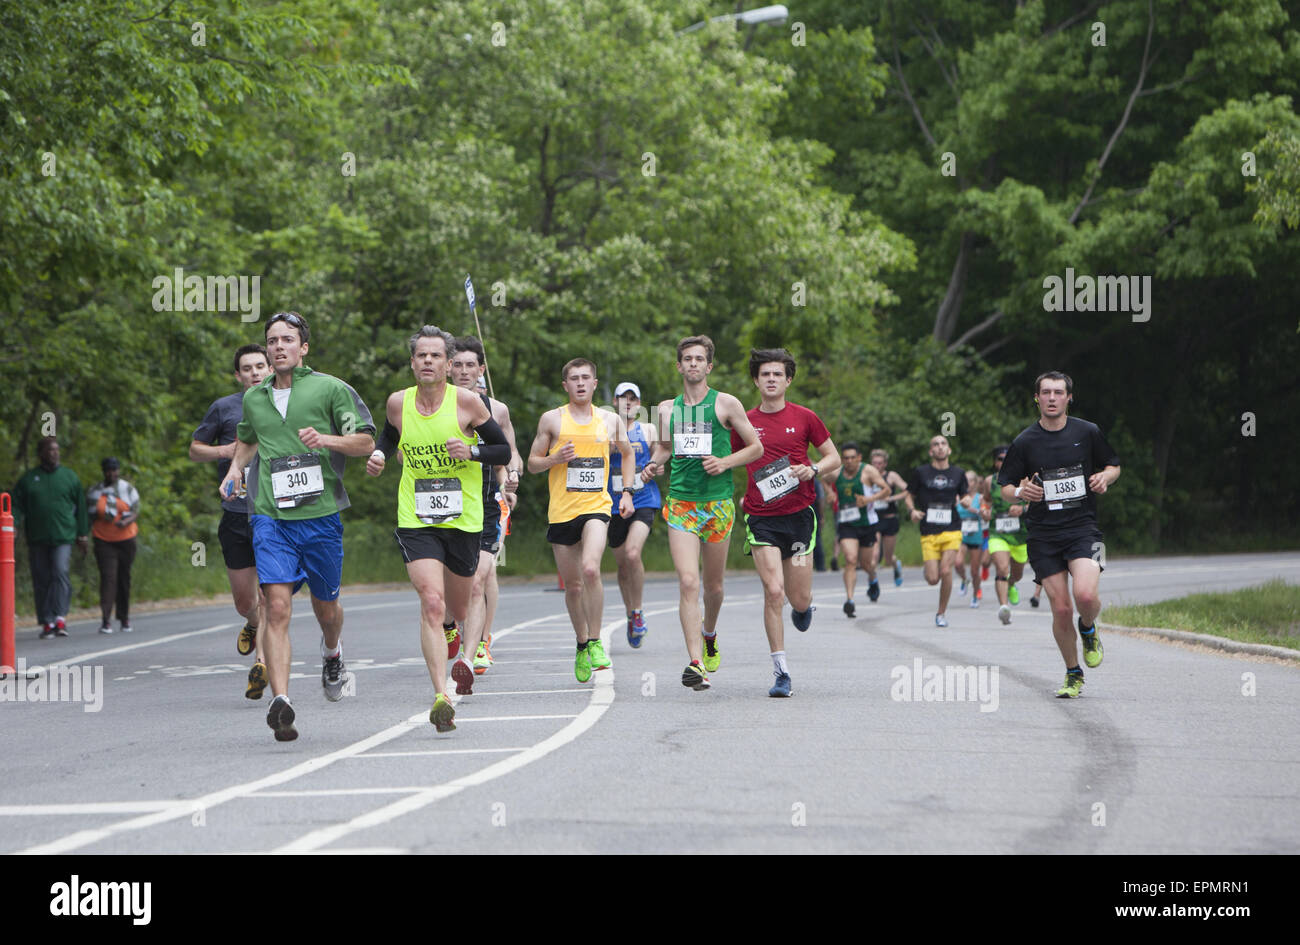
(732, 413)
(538, 460)
(207, 453)
(873, 478)
(828, 460)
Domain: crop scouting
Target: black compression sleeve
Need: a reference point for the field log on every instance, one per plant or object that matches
(388, 440)
(495, 451)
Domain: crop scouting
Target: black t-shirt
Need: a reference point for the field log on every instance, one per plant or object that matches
(1065, 459)
(219, 424)
(933, 490)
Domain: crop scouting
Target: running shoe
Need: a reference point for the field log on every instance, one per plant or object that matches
(1004, 614)
(984, 573)
(60, 627)
(1073, 686)
(487, 649)
(1092, 651)
(1033, 601)
(802, 619)
(453, 639)
(979, 593)
(850, 609)
(280, 717)
(974, 602)
(582, 665)
(835, 564)
(1013, 595)
(106, 628)
(636, 629)
(246, 640)
(598, 658)
(963, 588)
(873, 591)
(126, 627)
(694, 677)
(443, 714)
(47, 631)
(898, 573)
(781, 689)
(257, 681)
(462, 675)
(940, 620)
(481, 660)
(712, 657)
(332, 676)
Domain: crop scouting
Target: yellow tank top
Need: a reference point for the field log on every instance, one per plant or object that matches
(437, 490)
(578, 487)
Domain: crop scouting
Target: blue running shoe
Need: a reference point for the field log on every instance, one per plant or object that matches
(802, 619)
(873, 591)
(781, 688)
(636, 629)
(898, 573)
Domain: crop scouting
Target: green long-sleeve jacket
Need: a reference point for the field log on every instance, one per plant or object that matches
(50, 507)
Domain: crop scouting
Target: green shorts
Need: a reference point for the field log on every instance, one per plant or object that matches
(1019, 552)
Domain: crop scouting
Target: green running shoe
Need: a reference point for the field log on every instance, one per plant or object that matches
(1073, 687)
(582, 665)
(1092, 651)
(694, 677)
(1013, 595)
(599, 660)
(442, 714)
(482, 660)
(712, 658)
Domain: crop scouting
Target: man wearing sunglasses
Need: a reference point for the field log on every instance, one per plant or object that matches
(303, 425)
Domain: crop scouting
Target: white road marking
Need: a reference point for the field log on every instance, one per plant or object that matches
(444, 751)
(92, 807)
(338, 792)
(516, 718)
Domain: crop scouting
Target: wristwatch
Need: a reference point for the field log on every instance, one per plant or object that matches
(814, 468)
(628, 489)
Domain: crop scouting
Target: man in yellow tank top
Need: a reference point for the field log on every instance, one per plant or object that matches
(572, 446)
(440, 497)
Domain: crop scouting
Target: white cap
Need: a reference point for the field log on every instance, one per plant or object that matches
(626, 386)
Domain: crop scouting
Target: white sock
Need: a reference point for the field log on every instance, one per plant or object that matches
(778, 661)
(326, 653)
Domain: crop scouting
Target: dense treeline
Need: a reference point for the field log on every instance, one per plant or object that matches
(880, 187)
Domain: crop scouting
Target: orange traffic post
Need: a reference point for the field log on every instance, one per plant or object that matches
(7, 601)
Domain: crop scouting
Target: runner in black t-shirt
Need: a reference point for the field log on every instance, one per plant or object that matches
(933, 493)
(1059, 465)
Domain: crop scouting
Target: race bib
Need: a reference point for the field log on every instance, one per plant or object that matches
(635, 484)
(880, 505)
(970, 526)
(296, 480)
(438, 500)
(693, 439)
(1007, 524)
(938, 515)
(584, 474)
(850, 513)
(1064, 488)
(776, 480)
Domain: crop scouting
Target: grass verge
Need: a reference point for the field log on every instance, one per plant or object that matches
(1267, 613)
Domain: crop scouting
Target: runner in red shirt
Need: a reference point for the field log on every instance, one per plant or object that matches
(780, 501)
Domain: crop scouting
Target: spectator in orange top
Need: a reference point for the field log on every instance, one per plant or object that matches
(114, 505)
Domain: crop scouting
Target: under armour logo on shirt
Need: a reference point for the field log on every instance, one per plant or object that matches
(789, 429)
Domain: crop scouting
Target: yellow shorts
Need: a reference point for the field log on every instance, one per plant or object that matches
(1018, 552)
(933, 546)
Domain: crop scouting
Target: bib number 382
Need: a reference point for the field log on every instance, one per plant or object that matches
(438, 500)
(296, 480)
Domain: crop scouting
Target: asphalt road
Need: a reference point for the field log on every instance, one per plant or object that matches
(1170, 749)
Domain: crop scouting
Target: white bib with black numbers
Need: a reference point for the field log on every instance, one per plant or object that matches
(693, 439)
(1007, 524)
(1064, 488)
(635, 484)
(938, 515)
(880, 505)
(296, 480)
(776, 480)
(969, 526)
(849, 514)
(438, 500)
(584, 474)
